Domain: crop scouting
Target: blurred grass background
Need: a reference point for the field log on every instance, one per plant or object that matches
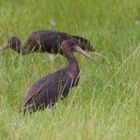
(106, 103)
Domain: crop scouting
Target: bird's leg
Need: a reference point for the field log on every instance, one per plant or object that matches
(51, 58)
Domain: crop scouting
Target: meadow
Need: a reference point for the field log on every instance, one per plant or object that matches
(106, 103)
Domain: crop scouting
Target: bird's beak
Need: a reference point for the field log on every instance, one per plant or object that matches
(4, 47)
(78, 49)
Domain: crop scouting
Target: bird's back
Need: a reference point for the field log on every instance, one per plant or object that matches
(50, 41)
(48, 90)
(46, 41)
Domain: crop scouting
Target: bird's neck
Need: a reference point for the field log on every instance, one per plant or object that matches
(73, 67)
(20, 49)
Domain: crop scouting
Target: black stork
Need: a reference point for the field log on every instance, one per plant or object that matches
(48, 90)
(44, 41)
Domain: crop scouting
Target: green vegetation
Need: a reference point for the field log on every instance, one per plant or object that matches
(106, 103)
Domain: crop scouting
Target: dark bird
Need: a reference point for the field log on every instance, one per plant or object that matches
(53, 87)
(44, 41)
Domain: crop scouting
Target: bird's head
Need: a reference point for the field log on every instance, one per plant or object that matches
(73, 45)
(12, 42)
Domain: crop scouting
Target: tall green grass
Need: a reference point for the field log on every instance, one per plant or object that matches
(106, 103)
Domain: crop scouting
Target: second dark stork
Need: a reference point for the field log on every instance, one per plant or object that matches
(44, 41)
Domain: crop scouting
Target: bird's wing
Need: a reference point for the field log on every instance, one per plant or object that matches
(42, 83)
